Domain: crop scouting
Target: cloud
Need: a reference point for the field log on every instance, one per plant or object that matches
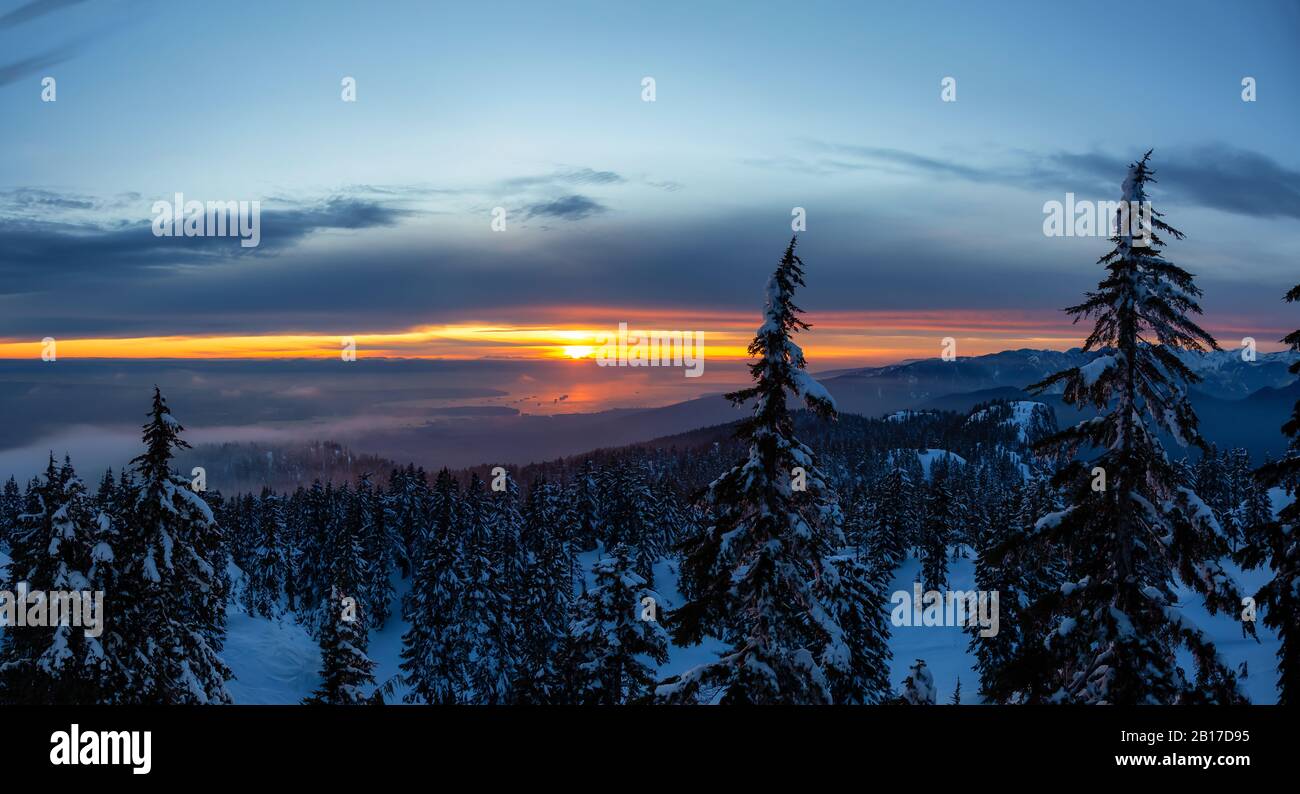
(1216, 175)
(41, 200)
(567, 176)
(34, 250)
(570, 208)
(34, 10)
(16, 70)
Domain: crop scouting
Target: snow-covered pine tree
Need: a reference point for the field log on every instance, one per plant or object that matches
(408, 491)
(610, 638)
(1240, 480)
(484, 614)
(1118, 624)
(508, 561)
(1277, 545)
(670, 517)
(859, 512)
(343, 617)
(57, 548)
(175, 576)
(1256, 507)
(11, 502)
(918, 687)
(106, 576)
(434, 665)
(313, 524)
(444, 497)
(894, 526)
(943, 520)
(106, 493)
(377, 547)
(753, 573)
(268, 565)
(857, 605)
(544, 607)
(346, 670)
(583, 508)
(1014, 664)
(630, 514)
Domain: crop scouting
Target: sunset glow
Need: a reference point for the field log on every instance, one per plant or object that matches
(579, 351)
(837, 339)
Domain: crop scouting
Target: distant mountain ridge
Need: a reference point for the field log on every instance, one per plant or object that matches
(1225, 373)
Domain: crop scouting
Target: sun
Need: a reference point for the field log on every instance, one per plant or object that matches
(579, 351)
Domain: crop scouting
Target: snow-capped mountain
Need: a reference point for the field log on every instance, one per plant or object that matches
(873, 390)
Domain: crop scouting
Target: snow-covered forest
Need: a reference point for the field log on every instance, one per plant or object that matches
(753, 567)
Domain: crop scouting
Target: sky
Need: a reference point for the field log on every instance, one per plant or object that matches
(924, 218)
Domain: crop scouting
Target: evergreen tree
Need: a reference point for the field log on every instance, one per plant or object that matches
(409, 496)
(894, 526)
(543, 609)
(58, 548)
(343, 619)
(584, 508)
(753, 573)
(1015, 665)
(314, 526)
(378, 546)
(1118, 626)
(11, 504)
(1276, 543)
(174, 578)
(485, 608)
(630, 515)
(443, 500)
(610, 637)
(345, 668)
(857, 605)
(918, 687)
(942, 522)
(434, 663)
(268, 565)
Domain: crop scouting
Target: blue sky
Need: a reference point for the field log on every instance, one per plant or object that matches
(914, 205)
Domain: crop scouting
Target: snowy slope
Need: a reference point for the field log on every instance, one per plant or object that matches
(276, 661)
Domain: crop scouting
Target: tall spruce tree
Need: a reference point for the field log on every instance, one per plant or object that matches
(484, 607)
(1118, 624)
(754, 573)
(543, 608)
(630, 515)
(611, 640)
(1015, 665)
(314, 526)
(893, 527)
(346, 670)
(942, 524)
(434, 666)
(174, 578)
(268, 565)
(583, 508)
(343, 619)
(1276, 543)
(378, 545)
(11, 503)
(408, 491)
(857, 604)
